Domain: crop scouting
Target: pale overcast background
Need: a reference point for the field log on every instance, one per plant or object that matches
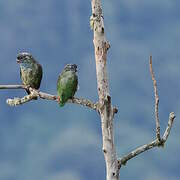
(40, 140)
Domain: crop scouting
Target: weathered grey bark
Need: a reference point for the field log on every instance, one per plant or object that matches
(34, 93)
(106, 110)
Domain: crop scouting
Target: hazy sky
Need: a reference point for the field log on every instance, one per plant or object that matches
(40, 140)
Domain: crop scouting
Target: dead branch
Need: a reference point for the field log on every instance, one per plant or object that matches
(156, 100)
(155, 143)
(158, 142)
(38, 94)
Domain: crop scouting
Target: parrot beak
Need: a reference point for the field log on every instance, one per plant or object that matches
(75, 66)
(19, 58)
(18, 61)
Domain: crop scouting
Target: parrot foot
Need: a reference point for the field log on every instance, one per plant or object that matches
(58, 99)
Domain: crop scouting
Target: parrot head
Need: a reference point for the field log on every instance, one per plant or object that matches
(24, 58)
(70, 67)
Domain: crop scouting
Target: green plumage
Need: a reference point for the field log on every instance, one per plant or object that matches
(67, 84)
(30, 70)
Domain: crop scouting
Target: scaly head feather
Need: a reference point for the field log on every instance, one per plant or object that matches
(70, 67)
(25, 58)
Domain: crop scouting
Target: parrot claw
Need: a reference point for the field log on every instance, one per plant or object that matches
(58, 99)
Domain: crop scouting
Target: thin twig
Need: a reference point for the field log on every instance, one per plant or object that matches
(155, 143)
(139, 150)
(13, 87)
(84, 102)
(168, 129)
(36, 93)
(156, 100)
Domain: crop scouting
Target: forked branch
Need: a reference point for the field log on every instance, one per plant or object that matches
(158, 142)
(155, 143)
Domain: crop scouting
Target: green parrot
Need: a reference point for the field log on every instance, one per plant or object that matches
(30, 70)
(67, 84)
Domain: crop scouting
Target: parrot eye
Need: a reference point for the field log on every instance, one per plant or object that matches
(75, 66)
(19, 57)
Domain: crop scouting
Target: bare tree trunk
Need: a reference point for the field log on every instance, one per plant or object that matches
(105, 108)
